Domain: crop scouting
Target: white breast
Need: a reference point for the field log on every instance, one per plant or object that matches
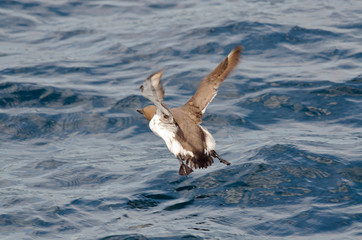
(167, 131)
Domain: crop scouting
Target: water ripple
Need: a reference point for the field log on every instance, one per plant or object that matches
(78, 161)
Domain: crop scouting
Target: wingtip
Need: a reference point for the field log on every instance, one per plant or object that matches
(236, 51)
(239, 48)
(158, 74)
(235, 56)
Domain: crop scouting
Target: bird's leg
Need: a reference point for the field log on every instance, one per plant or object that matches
(184, 169)
(214, 154)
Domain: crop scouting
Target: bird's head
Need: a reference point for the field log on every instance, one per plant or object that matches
(148, 112)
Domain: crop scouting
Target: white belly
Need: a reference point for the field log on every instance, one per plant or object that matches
(210, 142)
(167, 132)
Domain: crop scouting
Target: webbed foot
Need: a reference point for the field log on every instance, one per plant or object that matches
(214, 154)
(184, 170)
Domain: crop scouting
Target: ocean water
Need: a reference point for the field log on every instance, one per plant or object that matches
(78, 162)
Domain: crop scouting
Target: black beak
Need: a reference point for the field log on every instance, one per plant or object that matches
(140, 111)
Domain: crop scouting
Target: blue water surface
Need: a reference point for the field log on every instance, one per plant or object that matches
(78, 162)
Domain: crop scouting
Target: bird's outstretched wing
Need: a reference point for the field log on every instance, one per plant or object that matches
(152, 89)
(207, 89)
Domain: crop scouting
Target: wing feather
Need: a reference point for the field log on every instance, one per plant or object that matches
(207, 89)
(152, 89)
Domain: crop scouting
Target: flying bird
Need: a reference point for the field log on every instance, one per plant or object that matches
(180, 128)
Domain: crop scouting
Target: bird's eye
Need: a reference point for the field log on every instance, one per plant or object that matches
(166, 117)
